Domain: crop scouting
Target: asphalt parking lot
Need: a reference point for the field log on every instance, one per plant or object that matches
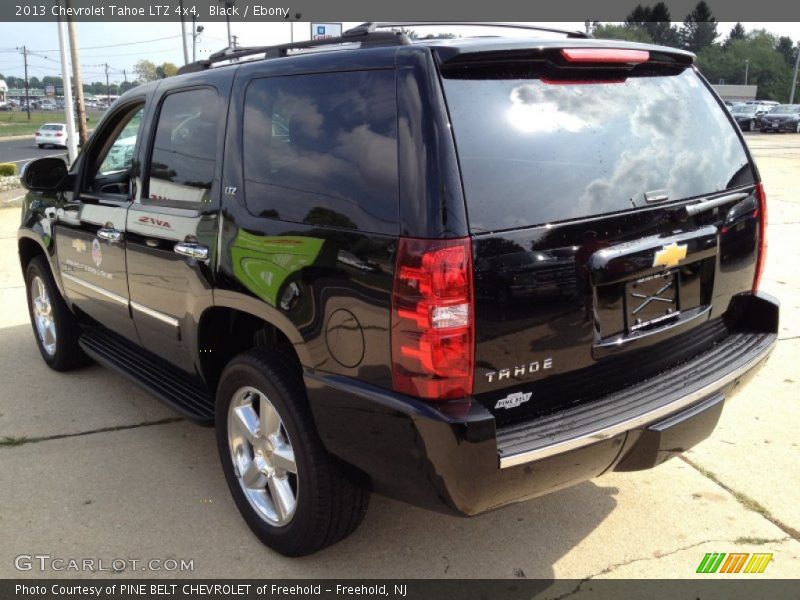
(91, 466)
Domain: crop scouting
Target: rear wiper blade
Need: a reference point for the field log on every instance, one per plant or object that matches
(690, 210)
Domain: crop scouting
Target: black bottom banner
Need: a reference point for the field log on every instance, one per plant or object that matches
(414, 589)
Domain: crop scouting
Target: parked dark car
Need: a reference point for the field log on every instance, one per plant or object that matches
(748, 116)
(309, 251)
(785, 117)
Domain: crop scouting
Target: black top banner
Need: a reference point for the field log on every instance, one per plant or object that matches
(365, 10)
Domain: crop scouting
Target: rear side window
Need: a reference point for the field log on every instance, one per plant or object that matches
(183, 165)
(322, 149)
(534, 152)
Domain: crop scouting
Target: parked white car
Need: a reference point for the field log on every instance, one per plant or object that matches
(51, 134)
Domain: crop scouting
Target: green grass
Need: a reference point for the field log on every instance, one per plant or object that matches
(754, 541)
(16, 122)
(13, 441)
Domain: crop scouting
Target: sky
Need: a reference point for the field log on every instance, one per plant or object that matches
(122, 44)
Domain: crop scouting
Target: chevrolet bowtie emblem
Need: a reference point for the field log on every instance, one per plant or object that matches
(79, 245)
(670, 256)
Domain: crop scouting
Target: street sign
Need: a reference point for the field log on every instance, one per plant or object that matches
(321, 31)
(50, 90)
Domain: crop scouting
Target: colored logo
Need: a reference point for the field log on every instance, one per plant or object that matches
(670, 255)
(79, 245)
(735, 562)
(321, 30)
(97, 255)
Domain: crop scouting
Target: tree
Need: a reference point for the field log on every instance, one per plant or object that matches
(699, 28)
(622, 32)
(167, 69)
(737, 33)
(766, 65)
(786, 48)
(656, 21)
(127, 85)
(145, 70)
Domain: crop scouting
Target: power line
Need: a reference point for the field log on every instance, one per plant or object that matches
(169, 37)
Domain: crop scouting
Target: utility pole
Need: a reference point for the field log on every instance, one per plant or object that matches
(194, 37)
(746, 69)
(183, 35)
(66, 80)
(27, 97)
(80, 108)
(108, 87)
(794, 78)
(234, 41)
(196, 31)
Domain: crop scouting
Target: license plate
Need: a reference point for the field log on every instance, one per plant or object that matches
(651, 300)
(775, 125)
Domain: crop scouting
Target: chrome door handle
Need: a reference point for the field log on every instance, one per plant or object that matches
(110, 235)
(192, 250)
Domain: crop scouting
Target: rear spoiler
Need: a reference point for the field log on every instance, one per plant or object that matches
(557, 52)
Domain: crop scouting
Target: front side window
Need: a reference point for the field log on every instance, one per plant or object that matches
(120, 155)
(322, 149)
(112, 158)
(183, 160)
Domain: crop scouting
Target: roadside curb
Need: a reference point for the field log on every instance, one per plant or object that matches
(12, 198)
(11, 138)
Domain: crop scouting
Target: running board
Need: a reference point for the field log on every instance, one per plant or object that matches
(170, 385)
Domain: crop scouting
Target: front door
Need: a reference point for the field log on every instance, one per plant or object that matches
(172, 228)
(89, 230)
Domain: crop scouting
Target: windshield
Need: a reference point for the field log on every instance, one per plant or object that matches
(535, 152)
(786, 109)
(743, 109)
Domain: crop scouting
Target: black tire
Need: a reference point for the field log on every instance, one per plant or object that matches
(40, 145)
(329, 505)
(67, 354)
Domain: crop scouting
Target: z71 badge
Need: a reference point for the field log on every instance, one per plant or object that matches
(513, 400)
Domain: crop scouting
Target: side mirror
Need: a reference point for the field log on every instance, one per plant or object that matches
(44, 175)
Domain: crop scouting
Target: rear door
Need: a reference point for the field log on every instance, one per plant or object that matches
(590, 274)
(90, 229)
(173, 226)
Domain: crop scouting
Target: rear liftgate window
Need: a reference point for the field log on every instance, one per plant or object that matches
(536, 151)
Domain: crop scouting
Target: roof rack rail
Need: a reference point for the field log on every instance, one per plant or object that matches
(371, 27)
(364, 36)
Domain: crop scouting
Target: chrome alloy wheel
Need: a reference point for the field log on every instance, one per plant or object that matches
(262, 455)
(43, 315)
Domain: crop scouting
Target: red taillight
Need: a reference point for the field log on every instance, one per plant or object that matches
(432, 319)
(604, 55)
(761, 259)
(59, 134)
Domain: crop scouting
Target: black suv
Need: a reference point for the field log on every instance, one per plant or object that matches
(458, 272)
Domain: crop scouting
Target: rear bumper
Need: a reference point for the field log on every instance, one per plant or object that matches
(784, 126)
(463, 464)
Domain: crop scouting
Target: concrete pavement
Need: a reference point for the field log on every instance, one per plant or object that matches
(90, 468)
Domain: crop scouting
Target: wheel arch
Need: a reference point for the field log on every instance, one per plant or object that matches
(231, 327)
(29, 246)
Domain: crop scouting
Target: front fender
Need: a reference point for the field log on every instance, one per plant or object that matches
(35, 235)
